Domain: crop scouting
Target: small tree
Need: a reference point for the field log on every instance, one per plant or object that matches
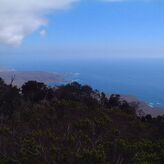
(34, 91)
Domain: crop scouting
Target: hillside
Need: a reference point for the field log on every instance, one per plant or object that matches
(74, 124)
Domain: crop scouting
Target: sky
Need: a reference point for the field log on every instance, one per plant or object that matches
(81, 29)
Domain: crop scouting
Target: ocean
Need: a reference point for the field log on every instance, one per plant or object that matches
(142, 78)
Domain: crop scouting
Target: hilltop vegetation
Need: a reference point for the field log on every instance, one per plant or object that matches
(74, 124)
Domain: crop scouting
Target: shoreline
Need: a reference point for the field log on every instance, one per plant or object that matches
(144, 108)
(21, 77)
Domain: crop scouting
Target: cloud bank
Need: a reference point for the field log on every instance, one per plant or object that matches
(19, 18)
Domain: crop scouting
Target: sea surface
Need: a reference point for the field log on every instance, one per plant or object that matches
(142, 78)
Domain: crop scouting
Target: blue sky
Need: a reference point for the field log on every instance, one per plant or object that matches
(93, 28)
(95, 23)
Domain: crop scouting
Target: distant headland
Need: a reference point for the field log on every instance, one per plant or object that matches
(20, 77)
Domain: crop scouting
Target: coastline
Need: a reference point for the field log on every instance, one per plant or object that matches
(20, 78)
(143, 108)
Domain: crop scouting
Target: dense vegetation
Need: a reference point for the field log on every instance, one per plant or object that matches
(74, 124)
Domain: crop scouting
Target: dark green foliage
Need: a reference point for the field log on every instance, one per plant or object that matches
(73, 124)
(35, 91)
(114, 100)
(9, 99)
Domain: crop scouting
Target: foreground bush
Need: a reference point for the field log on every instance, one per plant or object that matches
(76, 125)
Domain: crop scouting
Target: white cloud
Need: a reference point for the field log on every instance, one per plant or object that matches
(19, 18)
(43, 33)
